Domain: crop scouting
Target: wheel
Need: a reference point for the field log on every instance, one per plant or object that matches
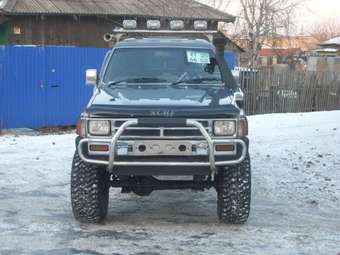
(234, 193)
(89, 191)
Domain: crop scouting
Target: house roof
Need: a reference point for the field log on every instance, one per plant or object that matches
(186, 9)
(334, 41)
(279, 52)
(329, 50)
(305, 43)
(230, 41)
(240, 49)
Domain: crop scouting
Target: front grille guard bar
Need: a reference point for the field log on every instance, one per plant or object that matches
(211, 143)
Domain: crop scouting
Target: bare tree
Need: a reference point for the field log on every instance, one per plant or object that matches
(220, 4)
(260, 19)
(326, 29)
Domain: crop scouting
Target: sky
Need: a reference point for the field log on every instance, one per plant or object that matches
(311, 12)
(318, 10)
(314, 11)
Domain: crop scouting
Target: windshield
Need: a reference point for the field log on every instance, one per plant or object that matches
(162, 65)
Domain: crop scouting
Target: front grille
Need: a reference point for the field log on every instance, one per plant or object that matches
(162, 132)
(182, 132)
(142, 132)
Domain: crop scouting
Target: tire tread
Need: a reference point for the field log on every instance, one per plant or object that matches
(89, 191)
(234, 193)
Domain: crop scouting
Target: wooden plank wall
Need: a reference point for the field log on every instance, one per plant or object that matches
(60, 30)
(272, 91)
(4, 28)
(82, 31)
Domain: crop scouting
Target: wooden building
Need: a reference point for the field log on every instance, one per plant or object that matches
(84, 22)
(286, 49)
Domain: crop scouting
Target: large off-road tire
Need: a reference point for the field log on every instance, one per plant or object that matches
(234, 193)
(89, 191)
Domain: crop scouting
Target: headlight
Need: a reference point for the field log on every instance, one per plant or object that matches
(224, 127)
(99, 127)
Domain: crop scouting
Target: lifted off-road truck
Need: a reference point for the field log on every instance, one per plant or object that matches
(162, 107)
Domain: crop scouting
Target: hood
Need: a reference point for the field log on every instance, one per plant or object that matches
(152, 100)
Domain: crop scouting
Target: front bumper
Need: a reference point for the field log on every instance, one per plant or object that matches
(212, 163)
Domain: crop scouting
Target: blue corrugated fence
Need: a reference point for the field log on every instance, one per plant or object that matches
(230, 58)
(44, 86)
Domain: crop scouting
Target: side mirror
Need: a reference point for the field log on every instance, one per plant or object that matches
(239, 98)
(91, 77)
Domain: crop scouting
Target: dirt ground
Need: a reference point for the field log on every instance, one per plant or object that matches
(295, 205)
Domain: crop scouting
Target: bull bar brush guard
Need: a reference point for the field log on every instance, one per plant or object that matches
(111, 163)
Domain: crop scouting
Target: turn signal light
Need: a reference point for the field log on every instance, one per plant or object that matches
(80, 128)
(225, 147)
(99, 147)
(243, 127)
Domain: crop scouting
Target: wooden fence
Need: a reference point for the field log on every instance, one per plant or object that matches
(278, 91)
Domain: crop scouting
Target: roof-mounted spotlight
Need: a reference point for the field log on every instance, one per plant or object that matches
(176, 24)
(153, 24)
(129, 24)
(108, 37)
(200, 25)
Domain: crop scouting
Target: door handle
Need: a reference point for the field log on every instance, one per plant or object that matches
(42, 86)
(55, 86)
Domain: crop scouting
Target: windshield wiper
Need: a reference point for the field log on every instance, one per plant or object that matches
(136, 80)
(197, 80)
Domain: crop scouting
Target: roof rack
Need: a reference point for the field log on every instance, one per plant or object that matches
(154, 27)
(117, 34)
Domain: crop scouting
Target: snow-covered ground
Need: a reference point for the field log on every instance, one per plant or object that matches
(295, 206)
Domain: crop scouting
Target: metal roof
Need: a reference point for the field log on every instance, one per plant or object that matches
(334, 41)
(186, 9)
(165, 42)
